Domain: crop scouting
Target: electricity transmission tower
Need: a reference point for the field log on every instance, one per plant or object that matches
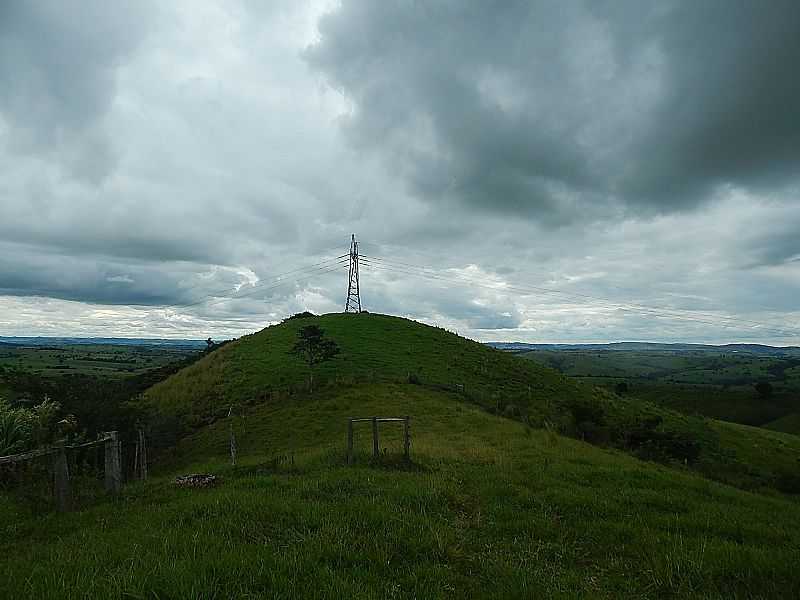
(353, 303)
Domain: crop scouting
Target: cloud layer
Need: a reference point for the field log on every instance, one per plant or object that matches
(562, 111)
(516, 170)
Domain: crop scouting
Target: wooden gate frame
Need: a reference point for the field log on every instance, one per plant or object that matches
(375, 420)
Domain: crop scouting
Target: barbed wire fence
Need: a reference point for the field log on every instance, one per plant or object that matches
(70, 476)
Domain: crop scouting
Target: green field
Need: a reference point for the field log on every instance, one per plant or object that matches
(712, 383)
(492, 505)
(102, 361)
(90, 382)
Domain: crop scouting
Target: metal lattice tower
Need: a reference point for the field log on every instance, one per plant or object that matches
(353, 303)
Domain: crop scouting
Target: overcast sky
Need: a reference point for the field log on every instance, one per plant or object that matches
(517, 170)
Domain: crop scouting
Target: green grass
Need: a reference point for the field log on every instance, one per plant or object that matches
(489, 508)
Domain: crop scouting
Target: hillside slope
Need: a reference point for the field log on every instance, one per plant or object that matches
(259, 369)
(374, 348)
(488, 508)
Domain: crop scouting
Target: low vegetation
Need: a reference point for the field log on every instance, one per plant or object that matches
(23, 429)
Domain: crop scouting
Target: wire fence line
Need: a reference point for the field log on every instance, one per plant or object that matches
(433, 274)
(15, 458)
(71, 475)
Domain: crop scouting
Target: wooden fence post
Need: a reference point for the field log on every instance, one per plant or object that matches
(349, 441)
(136, 461)
(375, 452)
(61, 472)
(113, 469)
(140, 462)
(406, 438)
(232, 437)
(143, 454)
(233, 447)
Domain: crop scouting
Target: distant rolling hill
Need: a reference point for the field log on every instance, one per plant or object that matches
(655, 347)
(715, 381)
(97, 341)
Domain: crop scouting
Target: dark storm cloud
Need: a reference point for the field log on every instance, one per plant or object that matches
(774, 243)
(57, 76)
(563, 110)
(101, 279)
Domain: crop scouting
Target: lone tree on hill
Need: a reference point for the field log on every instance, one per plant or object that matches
(313, 348)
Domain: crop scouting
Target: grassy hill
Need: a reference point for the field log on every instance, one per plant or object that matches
(258, 369)
(490, 506)
(374, 348)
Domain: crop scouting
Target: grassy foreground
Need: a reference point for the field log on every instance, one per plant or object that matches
(489, 508)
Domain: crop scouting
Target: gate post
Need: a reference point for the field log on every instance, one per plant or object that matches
(143, 454)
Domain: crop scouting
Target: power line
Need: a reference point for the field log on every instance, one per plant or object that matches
(640, 307)
(421, 271)
(260, 289)
(429, 256)
(337, 260)
(523, 290)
